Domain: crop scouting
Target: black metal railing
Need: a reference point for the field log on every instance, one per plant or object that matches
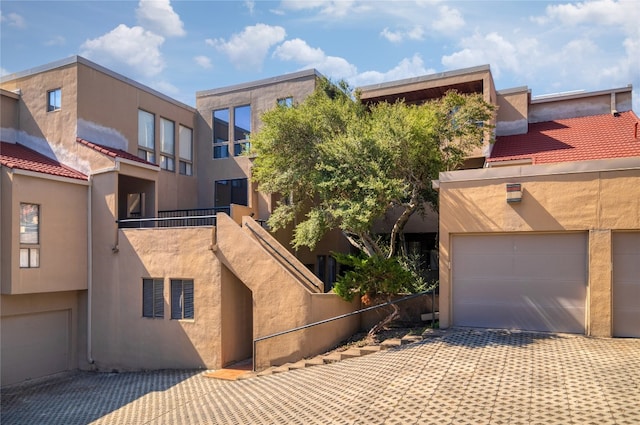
(332, 319)
(176, 218)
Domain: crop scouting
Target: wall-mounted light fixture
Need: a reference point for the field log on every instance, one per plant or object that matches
(514, 192)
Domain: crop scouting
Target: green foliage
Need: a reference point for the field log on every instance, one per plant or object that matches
(373, 276)
(340, 164)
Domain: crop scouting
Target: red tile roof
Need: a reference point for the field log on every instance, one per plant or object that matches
(16, 156)
(112, 152)
(573, 139)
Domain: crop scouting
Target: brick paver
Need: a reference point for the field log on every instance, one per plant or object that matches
(464, 377)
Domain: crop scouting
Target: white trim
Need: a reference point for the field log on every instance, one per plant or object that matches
(615, 164)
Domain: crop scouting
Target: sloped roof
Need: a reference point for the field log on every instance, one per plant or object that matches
(113, 152)
(573, 139)
(16, 156)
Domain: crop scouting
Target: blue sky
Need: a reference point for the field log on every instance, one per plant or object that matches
(180, 47)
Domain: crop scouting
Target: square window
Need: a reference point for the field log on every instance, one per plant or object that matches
(182, 299)
(221, 151)
(287, 102)
(54, 100)
(152, 298)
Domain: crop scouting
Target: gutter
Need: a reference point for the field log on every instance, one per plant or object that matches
(89, 270)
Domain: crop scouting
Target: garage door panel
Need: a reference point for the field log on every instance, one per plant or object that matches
(626, 284)
(532, 282)
(35, 345)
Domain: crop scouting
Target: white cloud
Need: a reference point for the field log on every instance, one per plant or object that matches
(448, 21)
(407, 68)
(493, 49)
(247, 50)
(334, 9)
(135, 47)
(416, 33)
(299, 51)
(203, 62)
(250, 5)
(3, 72)
(56, 41)
(14, 20)
(159, 17)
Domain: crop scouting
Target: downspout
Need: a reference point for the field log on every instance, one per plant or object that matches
(89, 270)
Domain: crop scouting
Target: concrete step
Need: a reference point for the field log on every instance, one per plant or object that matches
(391, 343)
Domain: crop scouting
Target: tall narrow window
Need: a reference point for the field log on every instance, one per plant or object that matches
(153, 298)
(54, 100)
(29, 235)
(146, 136)
(186, 151)
(221, 133)
(241, 129)
(167, 145)
(182, 299)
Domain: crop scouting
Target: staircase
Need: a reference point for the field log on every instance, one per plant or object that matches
(343, 354)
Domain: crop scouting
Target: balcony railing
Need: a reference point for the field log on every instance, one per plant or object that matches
(176, 218)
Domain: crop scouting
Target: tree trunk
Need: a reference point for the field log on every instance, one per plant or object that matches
(384, 322)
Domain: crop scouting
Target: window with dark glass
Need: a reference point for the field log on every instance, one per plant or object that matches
(221, 133)
(186, 150)
(167, 145)
(182, 299)
(153, 298)
(229, 192)
(241, 129)
(54, 100)
(146, 136)
(29, 235)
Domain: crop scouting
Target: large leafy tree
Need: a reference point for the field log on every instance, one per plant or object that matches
(341, 164)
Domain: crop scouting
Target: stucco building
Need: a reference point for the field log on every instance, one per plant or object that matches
(131, 233)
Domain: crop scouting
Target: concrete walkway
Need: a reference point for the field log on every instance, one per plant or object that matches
(463, 377)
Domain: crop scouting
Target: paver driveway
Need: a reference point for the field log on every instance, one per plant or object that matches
(463, 377)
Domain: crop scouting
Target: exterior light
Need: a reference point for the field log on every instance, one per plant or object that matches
(514, 192)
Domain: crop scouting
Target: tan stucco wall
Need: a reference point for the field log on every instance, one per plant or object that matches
(122, 338)
(597, 196)
(262, 96)
(280, 301)
(513, 111)
(62, 232)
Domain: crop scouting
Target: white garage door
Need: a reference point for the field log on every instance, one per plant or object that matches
(530, 282)
(34, 345)
(626, 284)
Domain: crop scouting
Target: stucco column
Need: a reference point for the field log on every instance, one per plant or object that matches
(600, 282)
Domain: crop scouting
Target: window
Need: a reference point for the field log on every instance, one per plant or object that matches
(186, 151)
(229, 192)
(241, 129)
(29, 235)
(223, 122)
(153, 298)
(54, 100)
(221, 133)
(181, 299)
(146, 136)
(167, 145)
(286, 102)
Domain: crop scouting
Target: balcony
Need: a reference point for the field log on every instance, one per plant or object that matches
(176, 218)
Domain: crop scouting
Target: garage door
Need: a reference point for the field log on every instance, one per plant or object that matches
(626, 284)
(530, 282)
(34, 345)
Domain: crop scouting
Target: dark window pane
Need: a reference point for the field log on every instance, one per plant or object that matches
(176, 299)
(187, 296)
(242, 121)
(221, 151)
(147, 297)
(221, 126)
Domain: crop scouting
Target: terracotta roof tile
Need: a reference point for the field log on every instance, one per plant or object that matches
(572, 139)
(16, 156)
(112, 152)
